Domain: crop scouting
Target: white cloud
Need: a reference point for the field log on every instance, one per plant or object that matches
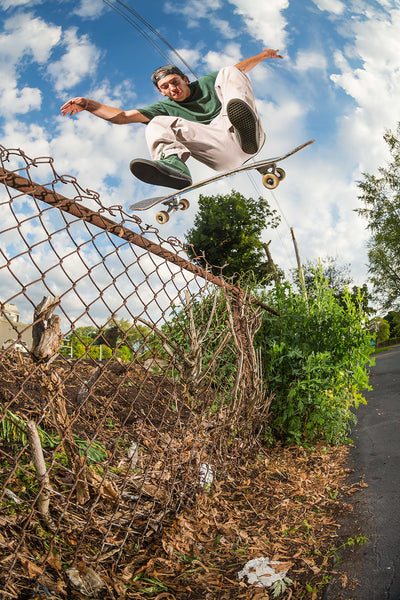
(323, 226)
(307, 60)
(374, 86)
(196, 10)
(31, 138)
(191, 56)
(79, 60)
(264, 20)
(217, 60)
(18, 101)
(15, 3)
(24, 40)
(90, 9)
(224, 28)
(283, 122)
(335, 7)
(27, 36)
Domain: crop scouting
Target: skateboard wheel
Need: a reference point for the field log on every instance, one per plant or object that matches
(184, 204)
(162, 217)
(270, 181)
(280, 173)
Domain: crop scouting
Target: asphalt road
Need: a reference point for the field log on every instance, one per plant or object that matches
(372, 571)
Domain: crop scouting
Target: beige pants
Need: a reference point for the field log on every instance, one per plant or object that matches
(215, 144)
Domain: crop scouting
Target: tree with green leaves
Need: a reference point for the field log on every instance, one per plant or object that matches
(393, 320)
(118, 333)
(118, 337)
(380, 328)
(381, 197)
(227, 229)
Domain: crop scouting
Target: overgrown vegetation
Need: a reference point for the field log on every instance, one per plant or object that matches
(315, 360)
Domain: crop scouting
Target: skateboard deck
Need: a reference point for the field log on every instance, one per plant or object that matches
(272, 175)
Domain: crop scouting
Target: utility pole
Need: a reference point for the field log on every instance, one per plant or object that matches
(299, 265)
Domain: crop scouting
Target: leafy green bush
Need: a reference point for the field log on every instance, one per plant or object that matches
(315, 358)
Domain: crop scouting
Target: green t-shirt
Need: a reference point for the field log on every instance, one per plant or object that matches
(202, 106)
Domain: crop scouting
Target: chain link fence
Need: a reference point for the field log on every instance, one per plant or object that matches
(129, 382)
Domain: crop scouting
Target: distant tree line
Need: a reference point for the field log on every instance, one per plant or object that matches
(118, 338)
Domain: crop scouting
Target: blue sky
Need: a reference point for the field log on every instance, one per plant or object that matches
(338, 83)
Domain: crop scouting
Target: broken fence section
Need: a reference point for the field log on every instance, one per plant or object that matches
(127, 372)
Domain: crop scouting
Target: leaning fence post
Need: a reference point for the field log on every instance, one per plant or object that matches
(43, 501)
(47, 337)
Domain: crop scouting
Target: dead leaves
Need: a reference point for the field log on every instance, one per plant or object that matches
(283, 510)
(281, 506)
(102, 486)
(30, 569)
(148, 525)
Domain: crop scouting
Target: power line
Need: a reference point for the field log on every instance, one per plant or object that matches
(137, 27)
(143, 32)
(283, 242)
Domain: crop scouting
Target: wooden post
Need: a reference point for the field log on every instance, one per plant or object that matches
(271, 264)
(299, 265)
(46, 335)
(43, 501)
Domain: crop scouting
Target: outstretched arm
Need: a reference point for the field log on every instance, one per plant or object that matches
(249, 63)
(108, 113)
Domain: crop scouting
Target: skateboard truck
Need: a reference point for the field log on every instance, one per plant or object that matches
(173, 205)
(272, 175)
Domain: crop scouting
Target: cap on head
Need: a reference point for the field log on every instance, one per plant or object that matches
(164, 71)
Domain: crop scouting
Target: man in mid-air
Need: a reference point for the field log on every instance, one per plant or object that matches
(213, 119)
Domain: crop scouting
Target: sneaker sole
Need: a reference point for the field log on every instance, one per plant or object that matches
(244, 121)
(147, 171)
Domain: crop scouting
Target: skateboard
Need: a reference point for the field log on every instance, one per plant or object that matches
(272, 176)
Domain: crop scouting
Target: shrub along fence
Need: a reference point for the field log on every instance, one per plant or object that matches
(129, 378)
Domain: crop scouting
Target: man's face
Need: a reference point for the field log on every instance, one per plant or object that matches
(174, 87)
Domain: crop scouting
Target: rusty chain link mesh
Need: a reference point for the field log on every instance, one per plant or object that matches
(125, 371)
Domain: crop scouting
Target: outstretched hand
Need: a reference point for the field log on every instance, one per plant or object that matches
(74, 106)
(249, 63)
(269, 53)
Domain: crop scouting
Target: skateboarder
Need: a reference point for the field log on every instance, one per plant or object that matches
(213, 119)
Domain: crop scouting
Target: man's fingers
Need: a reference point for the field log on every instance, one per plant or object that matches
(272, 53)
(66, 108)
(73, 106)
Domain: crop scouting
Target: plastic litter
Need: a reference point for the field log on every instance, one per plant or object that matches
(261, 572)
(206, 476)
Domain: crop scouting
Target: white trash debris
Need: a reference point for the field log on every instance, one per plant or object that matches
(206, 476)
(261, 572)
(133, 454)
(86, 581)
